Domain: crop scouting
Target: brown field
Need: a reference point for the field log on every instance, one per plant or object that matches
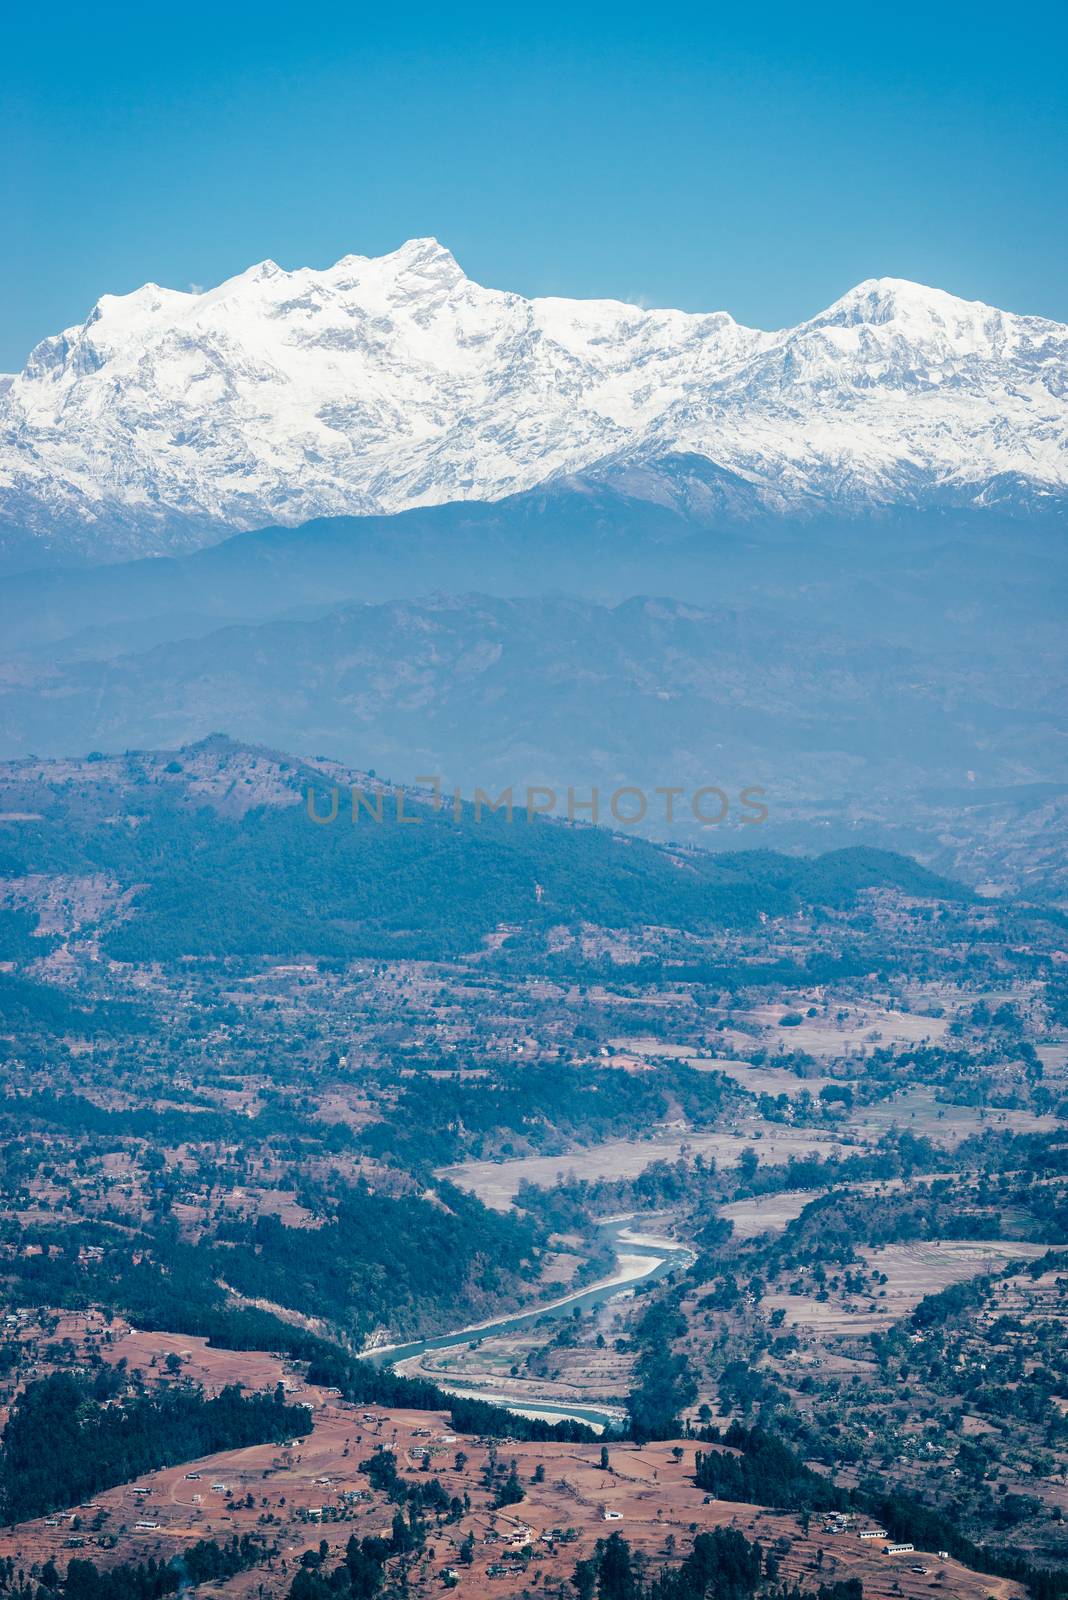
(1054, 1058)
(212, 1369)
(762, 1080)
(650, 1493)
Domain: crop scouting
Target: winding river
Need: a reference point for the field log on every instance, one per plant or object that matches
(639, 1259)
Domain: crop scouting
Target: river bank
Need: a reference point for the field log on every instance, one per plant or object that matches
(641, 1258)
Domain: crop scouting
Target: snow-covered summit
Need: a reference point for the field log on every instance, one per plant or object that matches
(385, 382)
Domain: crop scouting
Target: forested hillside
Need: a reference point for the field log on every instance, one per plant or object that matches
(271, 881)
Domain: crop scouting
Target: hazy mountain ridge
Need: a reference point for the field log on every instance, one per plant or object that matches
(480, 685)
(905, 572)
(378, 384)
(207, 831)
(853, 740)
(898, 679)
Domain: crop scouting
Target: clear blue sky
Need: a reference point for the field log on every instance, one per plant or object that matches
(759, 159)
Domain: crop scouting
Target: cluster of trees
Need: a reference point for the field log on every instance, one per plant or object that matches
(365, 1384)
(765, 1472)
(209, 1562)
(406, 1262)
(150, 1277)
(482, 1417)
(273, 883)
(75, 1114)
(700, 1185)
(419, 1495)
(69, 1436)
(19, 939)
(664, 1384)
(724, 977)
(723, 1565)
(438, 1120)
(834, 1226)
(28, 1009)
(203, 1562)
(148, 1580)
(939, 1307)
(359, 1575)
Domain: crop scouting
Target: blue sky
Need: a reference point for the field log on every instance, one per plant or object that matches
(761, 160)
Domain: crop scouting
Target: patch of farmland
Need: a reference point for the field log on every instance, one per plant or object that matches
(912, 1271)
(497, 1182)
(767, 1213)
(917, 1110)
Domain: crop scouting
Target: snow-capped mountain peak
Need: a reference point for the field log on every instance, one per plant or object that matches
(879, 300)
(391, 381)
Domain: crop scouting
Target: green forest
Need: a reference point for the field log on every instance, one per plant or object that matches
(65, 1440)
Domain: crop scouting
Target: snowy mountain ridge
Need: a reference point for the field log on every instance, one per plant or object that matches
(382, 383)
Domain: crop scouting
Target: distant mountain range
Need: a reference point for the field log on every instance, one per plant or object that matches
(899, 682)
(557, 690)
(170, 419)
